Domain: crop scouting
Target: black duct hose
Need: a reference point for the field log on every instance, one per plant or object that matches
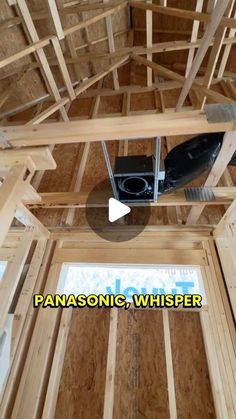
(233, 160)
(190, 159)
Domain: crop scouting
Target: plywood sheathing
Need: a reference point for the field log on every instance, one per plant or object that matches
(140, 376)
(13, 40)
(96, 171)
(82, 384)
(140, 381)
(192, 383)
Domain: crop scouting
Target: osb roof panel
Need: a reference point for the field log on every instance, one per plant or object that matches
(32, 85)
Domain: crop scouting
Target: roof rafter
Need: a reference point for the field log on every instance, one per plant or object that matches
(215, 51)
(216, 17)
(164, 72)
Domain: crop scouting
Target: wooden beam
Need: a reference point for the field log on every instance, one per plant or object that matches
(140, 50)
(77, 179)
(35, 102)
(25, 297)
(26, 51)
(223, 196)
(11, 193)
(29, 220)
(118, 128)
(222, 338)
(60, 348)
(227, 150)
(169, 366)
(194, 35)
(181, 13)
(27, 401)
(69, 42)
(124, 145)
(134, 256)
(90, 93)
(57, 364)
(80, 7)
(111, 366)
(63, 68)
(22, 166)
(39, 158)
(111, 45)
(48, 111)
(80, 89)
(85, 85)
(214, 370)
(216, 17)
(101, 39)
(171, 11)
(56, 18)
(26, 332)
(225, 238)
(68, 8)
(46, 70)
(31, 193)
(95, 18)
(226, 53)
(149, 42)
(164, 72)
(12, 275)
(215, 52)
(96, 101)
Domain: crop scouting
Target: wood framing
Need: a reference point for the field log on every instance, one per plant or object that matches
(216, 17)
(199, 6)
(182, 13)
(214, 319)
(19, 169)
(227, 150)
(144, 126)
(225, 237)
(96, 18)
(223, 196)
(111, 366)
(41, 56)
(12, 275)
(76, 73)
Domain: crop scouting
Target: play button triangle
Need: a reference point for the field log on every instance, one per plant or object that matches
(117, 210)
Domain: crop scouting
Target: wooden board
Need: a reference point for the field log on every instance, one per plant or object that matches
(141, 126)
(41, 157)
(192, 384)
(135, 256)
(140, 382)
(82, 383)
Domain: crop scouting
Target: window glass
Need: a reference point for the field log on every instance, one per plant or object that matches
(130, 279)
(3, 265)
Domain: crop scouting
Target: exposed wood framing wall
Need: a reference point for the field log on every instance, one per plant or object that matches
(18, 168)
(40, 336)
(35, 385)
(225, 237)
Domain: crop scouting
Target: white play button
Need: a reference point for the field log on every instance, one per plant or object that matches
(117, 210)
